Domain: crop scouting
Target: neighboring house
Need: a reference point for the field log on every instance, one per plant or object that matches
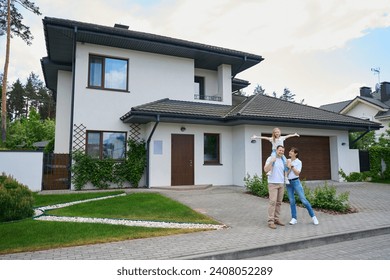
(373, 106)
(112, 84)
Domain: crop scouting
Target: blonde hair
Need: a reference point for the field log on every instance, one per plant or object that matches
(273, 133)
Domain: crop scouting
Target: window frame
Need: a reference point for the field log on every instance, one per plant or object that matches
(216, 161)
(103, 74)
(201, 81)
(101, 149)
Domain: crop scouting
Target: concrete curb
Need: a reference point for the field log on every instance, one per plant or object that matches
(290, 246)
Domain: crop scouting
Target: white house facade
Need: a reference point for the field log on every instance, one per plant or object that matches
(112, 84)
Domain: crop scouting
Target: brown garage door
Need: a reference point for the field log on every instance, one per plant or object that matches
(314, 153)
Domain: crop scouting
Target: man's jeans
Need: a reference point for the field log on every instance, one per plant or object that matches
(296, 186)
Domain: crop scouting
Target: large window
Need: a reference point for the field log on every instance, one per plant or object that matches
(102, 144)
(108, 73)
(211, 148)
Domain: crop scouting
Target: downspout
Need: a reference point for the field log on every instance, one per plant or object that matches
(72, 105)
(148, 149)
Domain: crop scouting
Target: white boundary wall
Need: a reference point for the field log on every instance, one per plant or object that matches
(25, 166)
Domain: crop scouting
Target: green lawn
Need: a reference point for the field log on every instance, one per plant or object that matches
(32, 235)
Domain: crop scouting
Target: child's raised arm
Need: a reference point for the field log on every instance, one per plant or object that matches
(260, 137)
(291, 135)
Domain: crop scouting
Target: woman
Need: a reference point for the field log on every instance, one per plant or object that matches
(295, 186)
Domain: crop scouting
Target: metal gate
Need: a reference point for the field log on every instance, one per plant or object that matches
(56, 172)
(364, 160)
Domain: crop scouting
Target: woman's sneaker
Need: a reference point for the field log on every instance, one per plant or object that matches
(293, 221)
(315, 221)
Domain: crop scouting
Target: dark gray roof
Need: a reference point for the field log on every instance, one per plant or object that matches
(255, 109)
(339, 106)
(60, 34)
(336, 107)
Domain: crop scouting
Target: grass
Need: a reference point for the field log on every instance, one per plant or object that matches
(137, 206)
(50, 199)
(32, 235)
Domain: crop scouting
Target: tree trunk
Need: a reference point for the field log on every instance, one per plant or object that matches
(5, 74)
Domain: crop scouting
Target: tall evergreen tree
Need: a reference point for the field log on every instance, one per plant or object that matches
(11, 24)
(16, 103)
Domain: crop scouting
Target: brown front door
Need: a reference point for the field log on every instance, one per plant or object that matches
(182, 160)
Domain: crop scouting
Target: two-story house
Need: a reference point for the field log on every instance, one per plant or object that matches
(369, 105)
(112, 83)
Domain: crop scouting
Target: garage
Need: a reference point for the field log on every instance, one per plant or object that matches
(314, 152)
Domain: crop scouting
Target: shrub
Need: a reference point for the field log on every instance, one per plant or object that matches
(325, 197)
(256, 185)
(16, 200)
(100, 173)
(355, 176)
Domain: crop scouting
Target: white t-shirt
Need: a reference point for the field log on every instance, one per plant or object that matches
(297, 163)
(279, 141)
(277, 172)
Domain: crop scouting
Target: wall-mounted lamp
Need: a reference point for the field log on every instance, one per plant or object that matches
(343, 144)
(253, 141)
(182, 129)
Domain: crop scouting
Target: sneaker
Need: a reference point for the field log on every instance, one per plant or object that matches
(293, 221)
(277, 222)
(315, 221)
(272, 225)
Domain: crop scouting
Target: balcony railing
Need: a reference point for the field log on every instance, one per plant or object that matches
(207, 97)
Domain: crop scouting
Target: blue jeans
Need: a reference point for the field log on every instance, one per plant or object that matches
(296, 187)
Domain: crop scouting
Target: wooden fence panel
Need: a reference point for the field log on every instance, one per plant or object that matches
(56, 172)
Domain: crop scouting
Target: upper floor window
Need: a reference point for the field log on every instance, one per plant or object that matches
(102, 144)
(199, 87)
(211, 148)
(108, 73)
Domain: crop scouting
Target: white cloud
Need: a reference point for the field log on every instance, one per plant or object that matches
(285, 32)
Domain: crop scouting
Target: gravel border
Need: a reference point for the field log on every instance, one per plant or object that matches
(41, 216)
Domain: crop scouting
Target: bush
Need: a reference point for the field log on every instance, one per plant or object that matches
(355, 176)
(256, 185)
(326, 198)
(101, 172)
(16, 200)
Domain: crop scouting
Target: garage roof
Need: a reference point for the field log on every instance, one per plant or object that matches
(255, 109)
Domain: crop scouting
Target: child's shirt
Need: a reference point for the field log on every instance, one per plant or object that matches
(278, 141)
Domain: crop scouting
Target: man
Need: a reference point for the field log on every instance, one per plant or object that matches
(276, 183)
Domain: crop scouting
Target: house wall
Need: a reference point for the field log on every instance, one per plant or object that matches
(63, 111)
(239, 157)
(368, 112)
(151, 77)
(26, 167)
(160, 164)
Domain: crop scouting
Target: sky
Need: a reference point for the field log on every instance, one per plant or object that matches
(323, 51)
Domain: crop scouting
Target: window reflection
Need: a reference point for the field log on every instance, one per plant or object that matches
(106, 144)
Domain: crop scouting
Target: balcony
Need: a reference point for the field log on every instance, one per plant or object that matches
(207, 97)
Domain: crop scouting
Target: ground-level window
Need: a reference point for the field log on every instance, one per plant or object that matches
(211, 148)
(108, 73)
(104, 144)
